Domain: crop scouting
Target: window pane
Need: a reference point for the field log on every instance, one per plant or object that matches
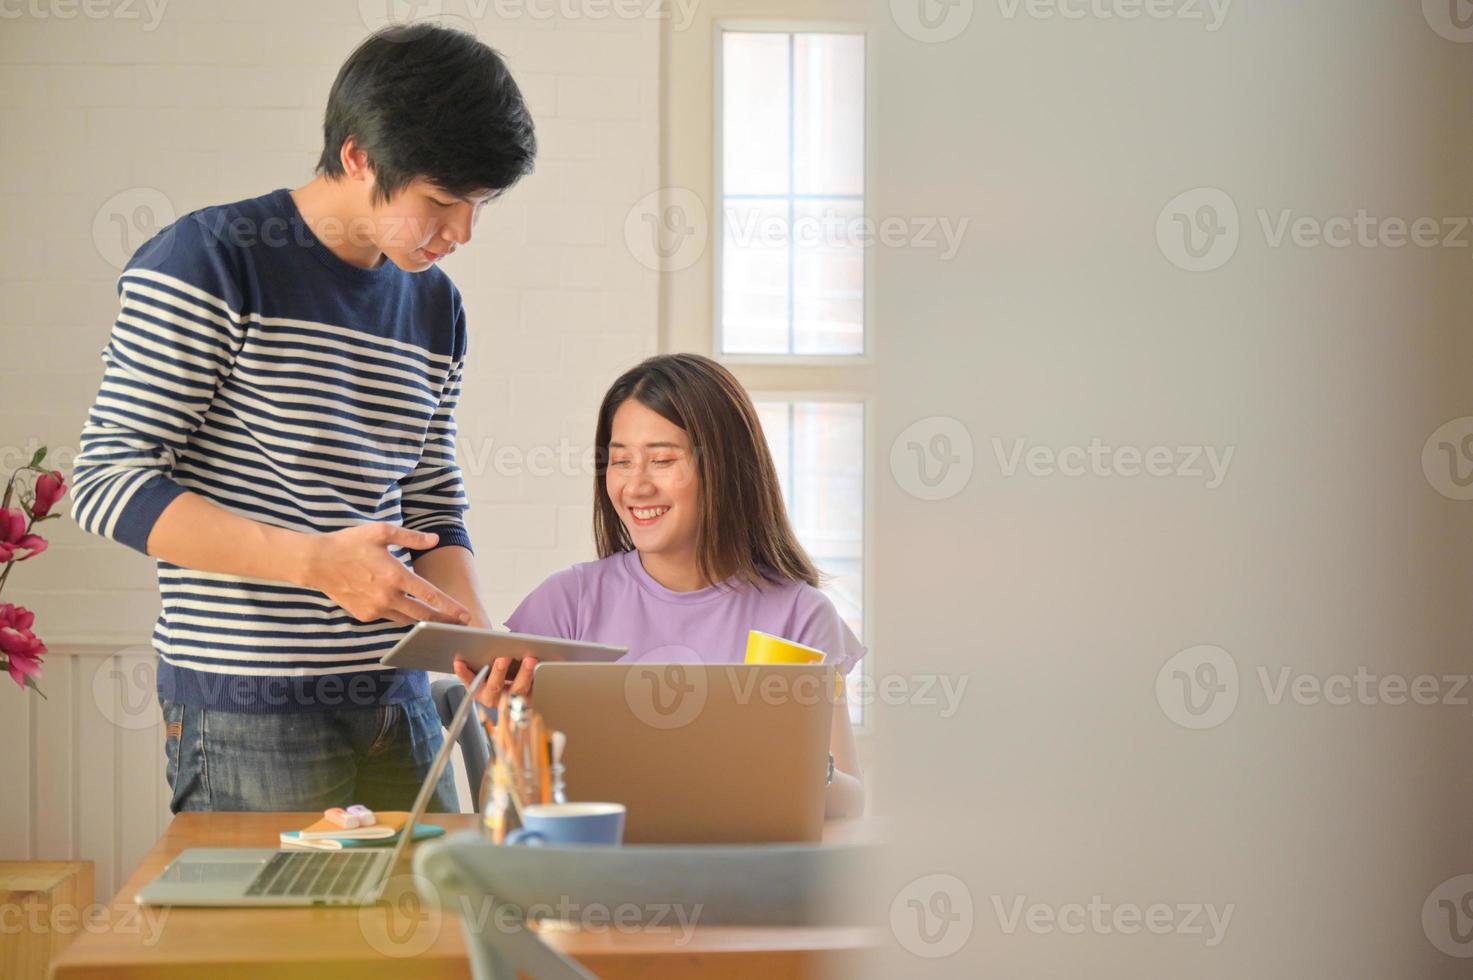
(792, 194)
(819, 451)
(754, 286)
(828, 107)
(754, 107)
(828, 278)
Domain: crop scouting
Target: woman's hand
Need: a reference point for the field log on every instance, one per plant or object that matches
(490, 693)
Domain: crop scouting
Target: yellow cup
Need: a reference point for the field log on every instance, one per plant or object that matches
(764, 648)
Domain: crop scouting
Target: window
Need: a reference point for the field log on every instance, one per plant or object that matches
(791, 186)
(819, 451)
(779, 156)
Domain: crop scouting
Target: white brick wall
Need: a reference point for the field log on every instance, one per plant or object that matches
(222, 100)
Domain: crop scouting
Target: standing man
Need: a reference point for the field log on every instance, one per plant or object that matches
(276, 427)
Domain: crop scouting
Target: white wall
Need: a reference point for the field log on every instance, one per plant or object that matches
(221, 101)
(1060, 598)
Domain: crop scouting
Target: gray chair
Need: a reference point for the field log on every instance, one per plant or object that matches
(448, 693)
(490, 888)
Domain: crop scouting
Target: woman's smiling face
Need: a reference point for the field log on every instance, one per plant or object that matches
(652, 480)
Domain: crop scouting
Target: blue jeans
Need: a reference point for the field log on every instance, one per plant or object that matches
(304, 760)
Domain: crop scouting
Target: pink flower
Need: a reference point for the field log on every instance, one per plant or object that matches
(22, 648)
(13, 536)
(15, 617)
(50, 487)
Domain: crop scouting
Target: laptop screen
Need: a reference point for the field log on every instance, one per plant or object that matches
(442, 758)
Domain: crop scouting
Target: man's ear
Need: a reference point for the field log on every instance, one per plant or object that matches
(355, 161)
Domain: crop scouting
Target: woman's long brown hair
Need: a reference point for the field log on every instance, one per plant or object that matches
(743, 532)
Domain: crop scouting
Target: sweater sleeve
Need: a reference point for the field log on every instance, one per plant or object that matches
(175, 339)
(432, 495)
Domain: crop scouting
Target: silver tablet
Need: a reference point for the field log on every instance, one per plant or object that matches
(434, 646)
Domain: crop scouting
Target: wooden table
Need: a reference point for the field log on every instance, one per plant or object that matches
(387, 941)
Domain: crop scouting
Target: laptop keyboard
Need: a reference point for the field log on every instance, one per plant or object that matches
(334, 874)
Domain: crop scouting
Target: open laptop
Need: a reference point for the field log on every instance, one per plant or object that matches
(249, 876)
(730, 754)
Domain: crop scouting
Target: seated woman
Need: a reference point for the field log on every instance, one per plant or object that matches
(694, 545)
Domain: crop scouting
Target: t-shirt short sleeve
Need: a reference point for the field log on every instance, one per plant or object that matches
(820, 626)
(551, 609)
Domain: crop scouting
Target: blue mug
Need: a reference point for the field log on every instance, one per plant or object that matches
(570, 824)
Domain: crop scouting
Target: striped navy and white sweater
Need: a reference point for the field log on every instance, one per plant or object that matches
(252, 366)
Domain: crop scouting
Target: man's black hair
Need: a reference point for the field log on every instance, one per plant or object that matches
(428, 101)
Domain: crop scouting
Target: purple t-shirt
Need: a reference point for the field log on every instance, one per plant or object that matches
(615, 601)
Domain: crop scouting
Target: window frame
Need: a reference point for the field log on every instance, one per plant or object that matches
(721, 26)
